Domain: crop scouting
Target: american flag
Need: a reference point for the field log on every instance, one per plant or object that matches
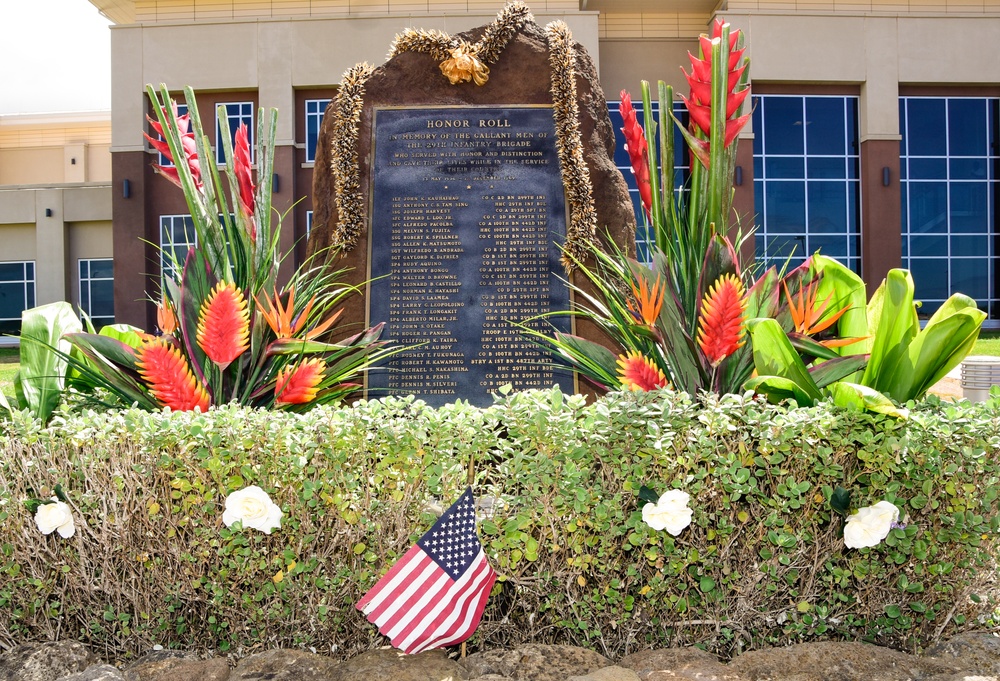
(434, 595)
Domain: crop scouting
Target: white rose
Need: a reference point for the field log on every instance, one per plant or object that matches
(55, 517)
(870, 525)
(252, 507)
(670, 513)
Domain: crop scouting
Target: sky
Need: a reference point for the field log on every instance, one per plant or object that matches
(55, 56)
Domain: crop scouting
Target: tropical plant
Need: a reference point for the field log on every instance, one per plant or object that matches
(228, 331)
(901, 361)
(681, 317)
(42, 377)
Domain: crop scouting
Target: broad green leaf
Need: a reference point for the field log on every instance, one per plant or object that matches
(848, 290)
(682, 353)
(897, 327)
(778, 389)
(43, 370)
(773, 355)
(4, 403)
(840, 500)
(837, 369)
(941, 346)
(126, 333)
(863, 398)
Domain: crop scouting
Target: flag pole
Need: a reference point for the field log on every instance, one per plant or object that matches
(470, 479)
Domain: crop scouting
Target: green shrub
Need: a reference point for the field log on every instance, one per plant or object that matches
(763, 561)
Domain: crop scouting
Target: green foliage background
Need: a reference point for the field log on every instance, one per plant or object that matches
(762, 563)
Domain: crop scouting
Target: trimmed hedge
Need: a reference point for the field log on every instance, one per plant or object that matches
(762, 563)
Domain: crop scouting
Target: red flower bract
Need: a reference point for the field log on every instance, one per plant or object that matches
(721, 323)
(241, 165)
(224, 324)
(190, 148)
(699, 105)
(169, 377)
(638, 153)
(299, 385)
(639, 373)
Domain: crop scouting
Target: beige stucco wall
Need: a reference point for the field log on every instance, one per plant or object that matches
(79, 226)
(18, 242)
(877, 53)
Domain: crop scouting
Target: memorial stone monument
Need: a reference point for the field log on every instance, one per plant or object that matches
(458, 182)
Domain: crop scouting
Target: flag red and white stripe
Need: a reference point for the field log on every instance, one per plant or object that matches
(435, 594)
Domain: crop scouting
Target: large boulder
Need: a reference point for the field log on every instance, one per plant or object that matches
(388, 664)
(45, 661)
(535, 662)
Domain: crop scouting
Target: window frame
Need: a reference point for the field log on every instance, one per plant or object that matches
(313, 117)
(240, 116)
(29, 283)
(771, 244)
(86, 284)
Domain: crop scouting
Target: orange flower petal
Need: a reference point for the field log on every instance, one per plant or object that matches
(169, 377)
(721, 322)
(647, 302)
(224, 324)
(165, 318)
(299, 384)
(639, 373)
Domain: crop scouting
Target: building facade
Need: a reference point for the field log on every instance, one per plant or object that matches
(874, 135)
(55, 214)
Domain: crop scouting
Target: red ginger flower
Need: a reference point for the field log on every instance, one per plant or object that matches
(169, 377)
(224, 324)
(299, 385)
(639, 373)
(638, 152)
(721, 323)
(647, 302)
(241, 166)
(700, 104)
(279, 317)
(190, 148)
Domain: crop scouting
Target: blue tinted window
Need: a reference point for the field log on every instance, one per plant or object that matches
(236, 113)
(314, 120)
(622, 162)
(826, 132)
(17, 294)
(967, 127)
(97, 295)
(806, 183)
(925, 122)
(782, 124)
(949, 191)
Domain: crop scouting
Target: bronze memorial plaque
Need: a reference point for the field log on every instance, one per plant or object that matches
(468, 213)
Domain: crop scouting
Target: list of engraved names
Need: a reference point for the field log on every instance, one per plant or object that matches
(467, 212)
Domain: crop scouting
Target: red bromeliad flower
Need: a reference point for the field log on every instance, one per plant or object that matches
(279, 317)
(187, 141)
(721, 323)
(241, 165)
(646, 303)
(299, 385)
(169, 377)
(639, 373)
(638, 153)
(165, 317)
(700, 104)
(224, 324)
